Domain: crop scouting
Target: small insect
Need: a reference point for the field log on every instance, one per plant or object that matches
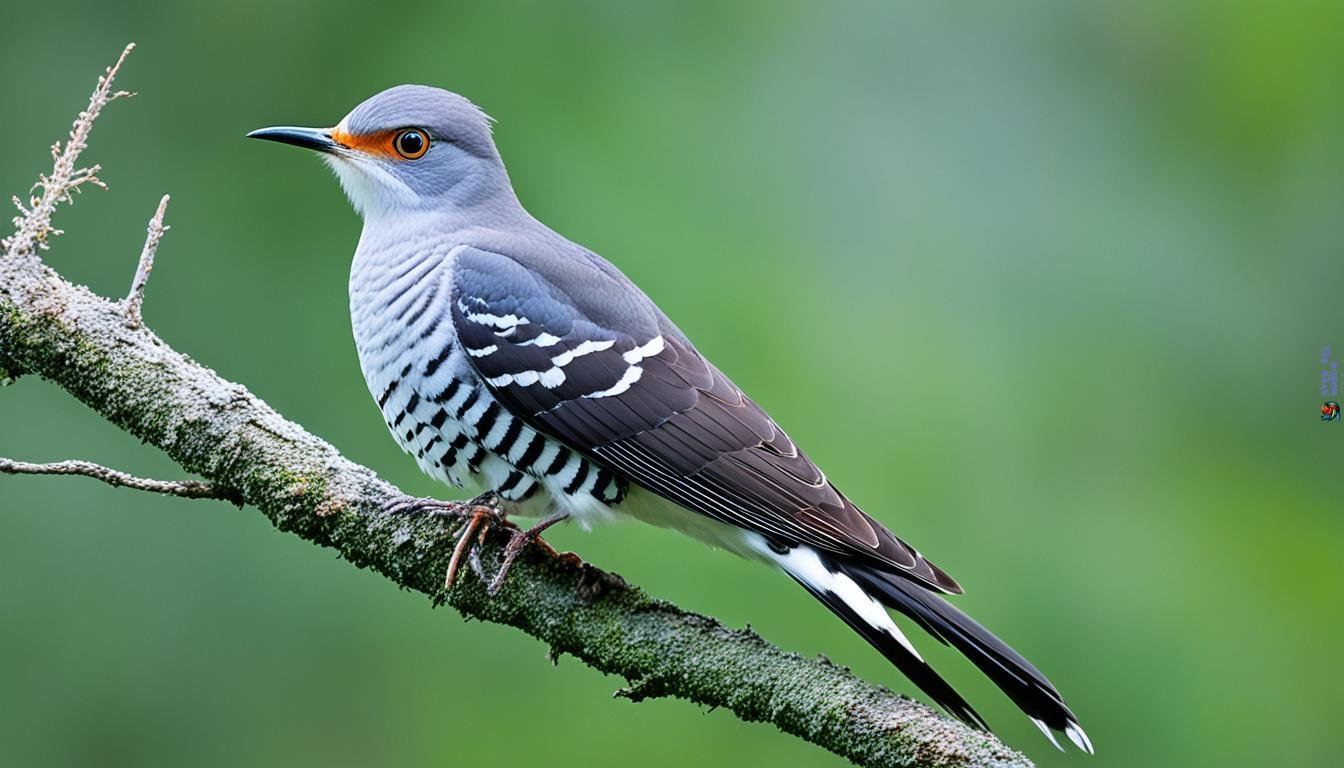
(1330, 411)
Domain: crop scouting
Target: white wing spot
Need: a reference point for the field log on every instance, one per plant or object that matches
(524, 379)
(630, 376)
(587, 347)
(552, 378)
(485, 318)
(490, 350)
(549, 378)
(653, 347)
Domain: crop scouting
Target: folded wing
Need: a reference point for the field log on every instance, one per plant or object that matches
(583, 356)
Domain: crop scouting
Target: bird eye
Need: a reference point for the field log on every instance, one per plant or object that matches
(411, 143)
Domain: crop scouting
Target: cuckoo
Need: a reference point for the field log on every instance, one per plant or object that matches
(512, 361)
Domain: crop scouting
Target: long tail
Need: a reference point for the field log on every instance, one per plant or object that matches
(860, 594)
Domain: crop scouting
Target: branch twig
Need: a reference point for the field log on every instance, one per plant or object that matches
(135, 300)
(189, 489)
(33, 225)
(250, 454)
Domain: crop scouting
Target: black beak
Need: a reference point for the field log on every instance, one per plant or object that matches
(309, 138)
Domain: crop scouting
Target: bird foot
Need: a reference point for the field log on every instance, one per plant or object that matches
(480, 513)
(479, 520)
(403, 505)
(520, 541)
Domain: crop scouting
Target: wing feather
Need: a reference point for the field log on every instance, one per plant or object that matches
(580, 367)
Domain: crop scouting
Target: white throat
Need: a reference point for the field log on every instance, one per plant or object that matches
(373, 190)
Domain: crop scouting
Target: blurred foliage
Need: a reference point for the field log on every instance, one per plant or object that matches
(1042, 285)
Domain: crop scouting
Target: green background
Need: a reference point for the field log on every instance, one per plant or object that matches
(1043, 286)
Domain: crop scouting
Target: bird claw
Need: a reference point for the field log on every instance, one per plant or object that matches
(416, 505)
(517, 543)
(478, 524)
(480, 513)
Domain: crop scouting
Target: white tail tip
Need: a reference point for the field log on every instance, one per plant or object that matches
(1049, 734)
(1076, 735)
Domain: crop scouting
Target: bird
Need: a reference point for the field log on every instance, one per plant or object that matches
(510, 361)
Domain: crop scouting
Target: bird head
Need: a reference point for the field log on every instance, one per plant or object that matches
(410, 148)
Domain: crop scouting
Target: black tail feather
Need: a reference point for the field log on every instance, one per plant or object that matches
(914, 668)
(1014, 675)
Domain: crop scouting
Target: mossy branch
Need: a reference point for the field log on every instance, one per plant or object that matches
(98, 351)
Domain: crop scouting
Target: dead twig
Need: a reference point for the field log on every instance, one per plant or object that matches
(135, 300)
(187, 489)
(33, 224)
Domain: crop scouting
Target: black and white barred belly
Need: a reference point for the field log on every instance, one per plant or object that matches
(460, 431)
(439, 410)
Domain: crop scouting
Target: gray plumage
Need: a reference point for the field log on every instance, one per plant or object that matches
(505, 357)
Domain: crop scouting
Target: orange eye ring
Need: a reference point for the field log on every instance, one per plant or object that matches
(411, 143)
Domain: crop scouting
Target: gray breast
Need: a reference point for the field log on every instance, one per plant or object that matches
(436, 406)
